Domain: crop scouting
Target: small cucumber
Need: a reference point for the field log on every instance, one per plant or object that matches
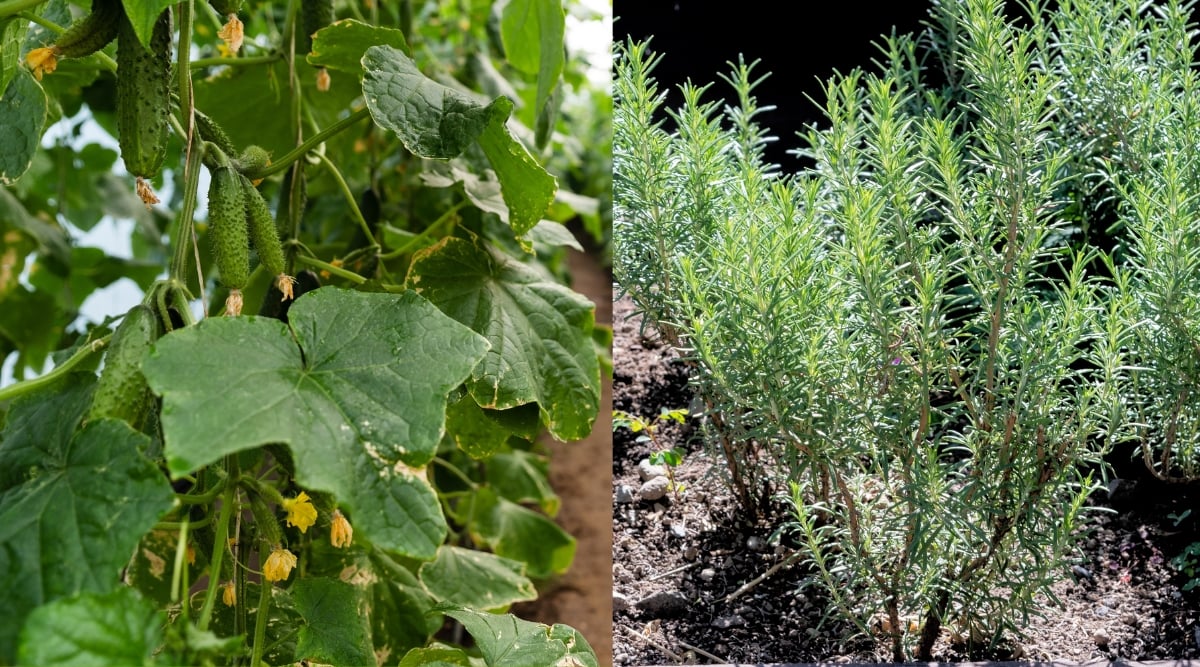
(265, 235)
(122, 392)
(229, 233)
(93, 32)
(144, 101)
(226, 7)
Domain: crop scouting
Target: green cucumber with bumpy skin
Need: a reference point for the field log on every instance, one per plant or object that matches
(228, 231)
(263, 232)
(122, 392)
(93, 32)
(265, 236)
(144, 100)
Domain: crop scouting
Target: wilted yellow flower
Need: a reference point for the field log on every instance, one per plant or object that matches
(323, 80)
(191, 554)
(42, 61)
(233, 32)
(300, 511)
(233, 303)
(279, 564)
(228, 594)
(285, 283)
(340, 532)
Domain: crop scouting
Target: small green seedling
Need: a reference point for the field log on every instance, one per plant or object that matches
(670, 458)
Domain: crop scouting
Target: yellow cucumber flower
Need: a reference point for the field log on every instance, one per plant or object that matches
(300, 511)
(340, 532)
(279, 564)
(228, 594)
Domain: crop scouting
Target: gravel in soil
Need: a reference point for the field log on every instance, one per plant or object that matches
(676, 561)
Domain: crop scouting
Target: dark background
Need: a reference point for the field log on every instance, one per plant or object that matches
(798, 43)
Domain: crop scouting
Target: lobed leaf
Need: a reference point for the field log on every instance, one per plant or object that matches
(435, 121)
(117, 628)
(507, 641)
(356, 387)
(73, 504)
(539, 330)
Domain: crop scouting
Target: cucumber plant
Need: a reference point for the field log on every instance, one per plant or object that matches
(326, 474)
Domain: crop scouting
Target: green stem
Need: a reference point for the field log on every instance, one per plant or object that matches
(312, 142)
(260, 619)
(201, 63)
(185, 229)
(434, 226)
(187, 102)
(335, 270)
(349, 197)
(177, 525)
(11, 7)
(180, 565)
(458, 473)
(21, 388)
(45, 23)
(203, 498)
(219, 548)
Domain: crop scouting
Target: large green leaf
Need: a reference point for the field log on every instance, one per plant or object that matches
(22, 115)
(341, 44)
(398, 601)
(521, 477)
(437, 655)
(117, 628)
(357, 388)
(52, 240)
(520, 534)
(73, 505)
(540, 332)
(484, 192)
(12, 33)
(435, 121)
(532, 31)
(335, 631)
(507, 641)
(143, 14)
(476, 579)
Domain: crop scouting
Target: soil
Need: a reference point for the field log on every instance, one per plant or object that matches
(683, 557)
(580, 597)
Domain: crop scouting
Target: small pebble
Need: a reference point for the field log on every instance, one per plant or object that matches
(690, 553)
(623, 494)
(663, 603)
(1111, 602)
(1081, 571)
(648, 471)
(678, 529)
(726, 622)
(1101, 611)
(1130, 620)
(655, 488)
(754, 543)
(1100, 637)
(811, 632)
(707, 574)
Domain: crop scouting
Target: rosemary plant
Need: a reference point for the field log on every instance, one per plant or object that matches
(932, 337)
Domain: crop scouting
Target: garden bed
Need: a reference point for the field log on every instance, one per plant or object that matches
(677, 562)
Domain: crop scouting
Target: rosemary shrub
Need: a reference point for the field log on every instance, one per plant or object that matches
(989, 275)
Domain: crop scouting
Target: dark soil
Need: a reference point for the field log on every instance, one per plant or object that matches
(683, 557)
